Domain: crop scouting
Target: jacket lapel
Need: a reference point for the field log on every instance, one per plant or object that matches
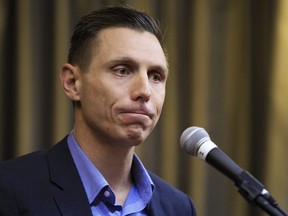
(155, 207)
(68, 190)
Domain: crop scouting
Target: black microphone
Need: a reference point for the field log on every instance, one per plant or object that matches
(196, 142)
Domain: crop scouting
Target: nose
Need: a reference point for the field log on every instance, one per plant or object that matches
(141, 89)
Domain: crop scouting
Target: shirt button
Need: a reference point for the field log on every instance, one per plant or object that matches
(106, 193)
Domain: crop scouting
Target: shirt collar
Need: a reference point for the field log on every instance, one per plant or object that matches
(93, 181)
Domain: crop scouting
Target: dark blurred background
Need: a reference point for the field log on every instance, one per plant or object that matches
(228, 73)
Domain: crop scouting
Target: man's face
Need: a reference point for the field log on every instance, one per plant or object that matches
(122, 92)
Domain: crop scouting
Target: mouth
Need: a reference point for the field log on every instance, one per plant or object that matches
(135, 116)
(141, 112)
(135, 111)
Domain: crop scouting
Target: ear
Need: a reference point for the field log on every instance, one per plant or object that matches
(70, 79)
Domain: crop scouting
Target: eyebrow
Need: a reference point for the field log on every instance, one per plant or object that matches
(128, 60)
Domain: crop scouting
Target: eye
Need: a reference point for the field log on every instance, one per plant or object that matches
(121, 71)
(156, 77)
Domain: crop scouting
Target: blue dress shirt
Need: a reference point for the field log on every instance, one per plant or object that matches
(101, 196)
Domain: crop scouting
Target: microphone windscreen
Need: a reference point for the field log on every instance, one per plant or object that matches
(192, 138)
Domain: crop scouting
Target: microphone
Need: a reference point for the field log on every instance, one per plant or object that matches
(196, 142)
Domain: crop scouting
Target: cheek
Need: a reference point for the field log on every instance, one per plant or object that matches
(158, 101)
(160, 97)
(102, 101)
(92, 98)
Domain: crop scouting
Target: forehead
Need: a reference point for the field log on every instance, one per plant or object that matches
(121, 42)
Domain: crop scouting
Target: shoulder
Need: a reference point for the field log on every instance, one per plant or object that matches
(162, 186)
(23, 163)
(170, 198)
(26, 182)
(28, 166)
(19, 176)
(27, 172)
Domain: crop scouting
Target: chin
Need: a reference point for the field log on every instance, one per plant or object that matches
(136, 137)
(136, 134)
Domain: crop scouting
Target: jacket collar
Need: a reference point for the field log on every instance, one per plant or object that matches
(69, 193)
(68, 190)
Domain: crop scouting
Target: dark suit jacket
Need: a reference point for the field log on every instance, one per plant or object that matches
(47, 183)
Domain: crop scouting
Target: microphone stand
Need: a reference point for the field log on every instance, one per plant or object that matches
(253, 191)
(248, 186)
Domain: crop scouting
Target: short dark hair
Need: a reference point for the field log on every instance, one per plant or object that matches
(85, 32)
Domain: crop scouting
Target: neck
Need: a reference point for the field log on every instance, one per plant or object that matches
(116, 170)
(113, 161)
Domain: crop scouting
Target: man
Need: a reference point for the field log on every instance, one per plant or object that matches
(115, 77)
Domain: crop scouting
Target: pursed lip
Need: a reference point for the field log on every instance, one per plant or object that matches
(140, 111)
